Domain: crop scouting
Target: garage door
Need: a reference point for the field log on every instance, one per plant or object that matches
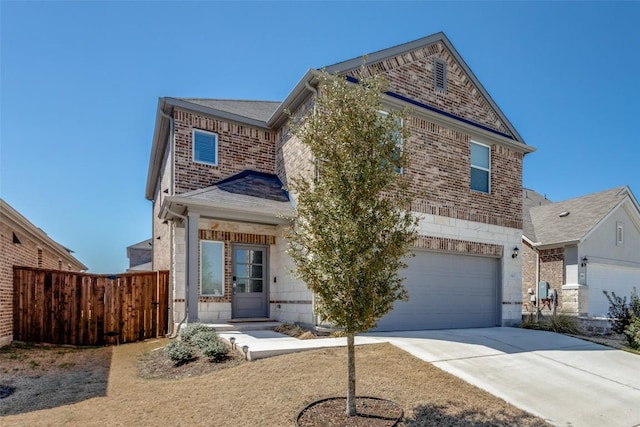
(610, 278)
(446, 291)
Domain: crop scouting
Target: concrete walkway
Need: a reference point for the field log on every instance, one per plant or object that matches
(564, 380)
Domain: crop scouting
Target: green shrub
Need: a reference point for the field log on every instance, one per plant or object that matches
(215, 351)
(202, 339)
(621, 313)
(179, 352)
(632, 332)
(187, 332)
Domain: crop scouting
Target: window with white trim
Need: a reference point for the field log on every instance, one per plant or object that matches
(397, 136)
(480, 167)
(205, 147)
(619, 234)
(211, 268)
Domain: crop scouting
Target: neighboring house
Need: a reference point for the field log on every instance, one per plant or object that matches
(23, 244)
(218, 167)
(140, 256)
(581, 247)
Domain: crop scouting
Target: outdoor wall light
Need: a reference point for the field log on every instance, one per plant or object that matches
(232, 340)
(585, 261)
(245, 350)
(514, 253)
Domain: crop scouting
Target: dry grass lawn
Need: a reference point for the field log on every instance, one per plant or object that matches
(271, 392)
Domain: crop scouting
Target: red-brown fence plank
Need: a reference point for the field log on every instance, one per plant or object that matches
(65, 307)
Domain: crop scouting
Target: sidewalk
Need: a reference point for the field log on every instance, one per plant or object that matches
(267, 343)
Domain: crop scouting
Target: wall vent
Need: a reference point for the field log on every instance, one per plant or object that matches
(439, 75)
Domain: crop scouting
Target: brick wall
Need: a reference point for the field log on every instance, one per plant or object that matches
(552, 270)
(240, 147)
(529, 269)
(411, 75)
(23, 254)
(440, 177)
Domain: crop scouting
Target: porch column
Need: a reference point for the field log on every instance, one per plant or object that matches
(192, 266)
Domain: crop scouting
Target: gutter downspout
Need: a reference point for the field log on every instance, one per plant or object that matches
(316, 174)
(170, 160)
(536, 284)
(174, 333)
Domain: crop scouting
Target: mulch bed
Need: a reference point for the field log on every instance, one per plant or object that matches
(331, 412)
(155, 365)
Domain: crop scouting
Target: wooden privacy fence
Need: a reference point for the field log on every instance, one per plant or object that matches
(66, 307)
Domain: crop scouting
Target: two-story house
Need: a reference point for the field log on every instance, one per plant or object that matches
(218, 168)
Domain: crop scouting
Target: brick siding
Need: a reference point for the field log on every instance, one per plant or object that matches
(24, 254)
(411, 75)
(240, 147)
(551, 270)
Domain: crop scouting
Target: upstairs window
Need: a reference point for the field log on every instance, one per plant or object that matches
(397, 136)
(480, 167)
(205, 147)
(439, 75)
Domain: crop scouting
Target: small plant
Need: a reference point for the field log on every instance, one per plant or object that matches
(179, 352)
(187, 333)
(561, 324)
(621, 313)
(632, 332)
(215, 351)
(202, 339)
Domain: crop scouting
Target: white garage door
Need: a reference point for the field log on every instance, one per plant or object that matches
(446, 291)
(604, 277)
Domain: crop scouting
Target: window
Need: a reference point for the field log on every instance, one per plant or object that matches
(619, 234)
(397, 136)
(205, 147)
(211, 268)
(439, 75)
(480, 167)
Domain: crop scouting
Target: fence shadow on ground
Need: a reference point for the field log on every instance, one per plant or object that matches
(47, 384)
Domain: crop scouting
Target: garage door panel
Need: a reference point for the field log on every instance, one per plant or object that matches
(446, 291)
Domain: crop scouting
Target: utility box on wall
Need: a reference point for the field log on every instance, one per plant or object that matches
(543, 290)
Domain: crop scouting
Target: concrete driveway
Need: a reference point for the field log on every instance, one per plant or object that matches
(566, 381)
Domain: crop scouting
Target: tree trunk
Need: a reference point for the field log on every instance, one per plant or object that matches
(351, 366)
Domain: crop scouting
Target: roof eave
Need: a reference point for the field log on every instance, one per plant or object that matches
(7, 212)
(351, 64)
(296, 97)
(158, 148)
(197, 108)
(244, 213)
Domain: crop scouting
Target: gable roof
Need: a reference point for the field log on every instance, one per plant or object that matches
(273, 114)
(531, 199)
(249, 195)
(381, 55)
(20, 224)
(571, 220)
(253, 110)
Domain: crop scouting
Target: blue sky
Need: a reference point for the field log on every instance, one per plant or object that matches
(80, 83)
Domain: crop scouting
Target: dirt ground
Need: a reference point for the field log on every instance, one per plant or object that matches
(105, 387)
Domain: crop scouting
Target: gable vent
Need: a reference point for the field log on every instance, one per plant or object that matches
(439, 75)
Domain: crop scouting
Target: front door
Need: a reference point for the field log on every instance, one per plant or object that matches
(250, 285)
